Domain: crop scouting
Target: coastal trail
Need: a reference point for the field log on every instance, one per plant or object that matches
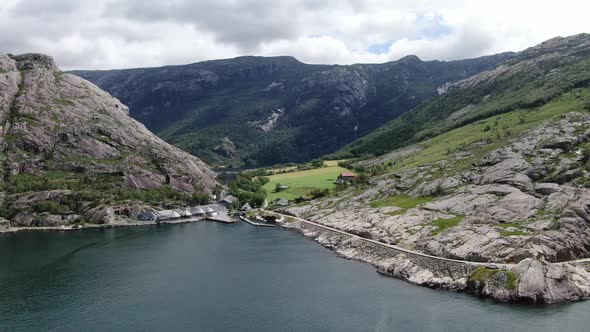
(412, 252)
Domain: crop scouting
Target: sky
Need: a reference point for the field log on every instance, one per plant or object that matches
(106, 34)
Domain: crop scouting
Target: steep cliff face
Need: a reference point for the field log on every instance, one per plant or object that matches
(198, 106)
(61, 132)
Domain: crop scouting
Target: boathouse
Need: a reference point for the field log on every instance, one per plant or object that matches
(146, 216)
(228, 201)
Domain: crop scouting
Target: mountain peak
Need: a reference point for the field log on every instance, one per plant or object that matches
(564, 45)
(29, 61)
(410, 59)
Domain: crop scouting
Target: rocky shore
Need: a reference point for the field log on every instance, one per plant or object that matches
(524, 205)
(529, 281)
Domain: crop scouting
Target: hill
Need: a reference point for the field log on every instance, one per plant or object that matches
(71, 153)
(263, 111)
(497, 170)
(530, 79)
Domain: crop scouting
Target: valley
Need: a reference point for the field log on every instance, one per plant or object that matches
(260, 111)
(493, 169)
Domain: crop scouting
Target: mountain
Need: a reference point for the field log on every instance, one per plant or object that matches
(260, 111)
(495, 170)
(71, 153)
(530, 78)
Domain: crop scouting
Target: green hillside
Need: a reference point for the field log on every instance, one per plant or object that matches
(530, 79)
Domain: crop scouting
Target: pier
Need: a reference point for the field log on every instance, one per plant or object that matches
(255, 223)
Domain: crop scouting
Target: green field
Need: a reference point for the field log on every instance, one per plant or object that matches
(303, 182)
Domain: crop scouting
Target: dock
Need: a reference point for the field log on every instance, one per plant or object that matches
(222, 217)
(255, 223)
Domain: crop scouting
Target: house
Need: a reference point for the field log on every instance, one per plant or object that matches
(197, 211)
(184, 212)
(228, 200)
(166, 215)
(146, 216)
(345, 177)
(246, 207)
(210, 212)
(281, 202)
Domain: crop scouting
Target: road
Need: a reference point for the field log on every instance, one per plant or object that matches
(417, 253)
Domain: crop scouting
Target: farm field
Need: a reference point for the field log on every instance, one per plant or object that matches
(303, 182)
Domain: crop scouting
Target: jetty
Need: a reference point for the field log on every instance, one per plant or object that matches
(222, 218)
(255, 223)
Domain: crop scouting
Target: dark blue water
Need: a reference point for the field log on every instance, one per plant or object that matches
(215, 277)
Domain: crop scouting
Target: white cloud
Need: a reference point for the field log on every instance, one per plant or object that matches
(134, 33)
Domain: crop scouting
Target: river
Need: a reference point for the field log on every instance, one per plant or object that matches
(214, 277)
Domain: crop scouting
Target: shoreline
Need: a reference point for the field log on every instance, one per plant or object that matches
(455, 275)
(417, 268)
(130, 223)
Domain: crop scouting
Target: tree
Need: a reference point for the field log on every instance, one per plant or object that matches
(278, 187)
(318, 163)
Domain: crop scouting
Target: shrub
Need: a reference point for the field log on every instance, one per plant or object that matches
(318, 193)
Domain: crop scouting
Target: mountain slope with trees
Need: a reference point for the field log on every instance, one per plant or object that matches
(262, 111)
(529, 79)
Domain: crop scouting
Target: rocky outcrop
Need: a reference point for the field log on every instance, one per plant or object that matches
(513, 206)
(59, 131)
(529, 281)
(532, 281)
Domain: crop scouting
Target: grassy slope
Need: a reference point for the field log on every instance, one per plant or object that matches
(522, 89)
(303, 182)
(502, 128)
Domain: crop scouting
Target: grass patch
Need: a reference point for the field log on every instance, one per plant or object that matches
(404, 202)
(334, 162)
(484, 274)
(515, 233)
(444, 224)
(511, 280)
(510, 233)
(303, 183)
(65, 102)
(397, 213)
(508, 225)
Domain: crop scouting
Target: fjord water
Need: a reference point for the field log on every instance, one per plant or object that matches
(214, 277)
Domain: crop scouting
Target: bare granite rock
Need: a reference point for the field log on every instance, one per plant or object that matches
(526, 203)
(66, 119)
(59, 125)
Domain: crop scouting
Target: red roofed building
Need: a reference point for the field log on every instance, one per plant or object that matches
(345, 177)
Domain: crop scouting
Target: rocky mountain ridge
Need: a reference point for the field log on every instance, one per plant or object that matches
(526, 203)
(499, 172)
(198, 106)
(530, 78)
(69, 147)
